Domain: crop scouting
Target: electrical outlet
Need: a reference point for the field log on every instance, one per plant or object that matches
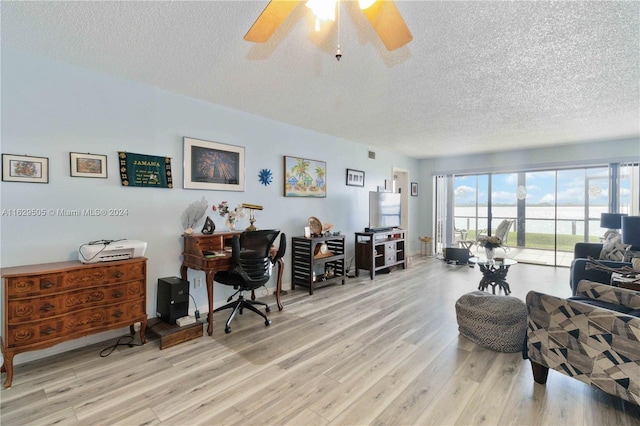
(197, 283)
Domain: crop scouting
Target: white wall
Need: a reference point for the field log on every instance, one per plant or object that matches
(50, 109)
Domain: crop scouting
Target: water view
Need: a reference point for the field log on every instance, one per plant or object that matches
(539, 219)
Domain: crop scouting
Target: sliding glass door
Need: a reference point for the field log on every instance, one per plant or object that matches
(550, 210)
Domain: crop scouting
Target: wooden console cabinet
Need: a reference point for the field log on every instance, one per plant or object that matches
(51, 303)
(311, 267)
(380, 250)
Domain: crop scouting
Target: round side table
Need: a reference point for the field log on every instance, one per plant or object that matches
(425, 246)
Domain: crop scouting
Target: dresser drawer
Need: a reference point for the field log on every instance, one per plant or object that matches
(35, 285)
(106, 275)
(35, 308)
(74, 325)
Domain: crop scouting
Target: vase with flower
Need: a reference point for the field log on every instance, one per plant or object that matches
(232, 216)
(490, 245)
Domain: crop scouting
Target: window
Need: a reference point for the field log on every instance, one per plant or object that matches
(552, 210)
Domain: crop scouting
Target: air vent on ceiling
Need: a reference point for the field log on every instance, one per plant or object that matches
(372, 155)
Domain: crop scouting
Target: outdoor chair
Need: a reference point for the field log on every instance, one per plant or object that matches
(502, 232)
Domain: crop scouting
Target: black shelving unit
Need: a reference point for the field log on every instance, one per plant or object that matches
(311, 268)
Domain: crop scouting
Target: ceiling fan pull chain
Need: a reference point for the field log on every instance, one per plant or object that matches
(338, 52)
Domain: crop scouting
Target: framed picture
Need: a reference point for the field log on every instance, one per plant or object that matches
(355, 177)
(414, 189)
(24, 168)
(212, 165)
(88, 165)
(304, 178)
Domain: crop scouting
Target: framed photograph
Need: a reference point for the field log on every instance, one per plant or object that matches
(355, 177)
(24, 168)
(213, 166)
(414, 189)
(304, 178)
(88, 165)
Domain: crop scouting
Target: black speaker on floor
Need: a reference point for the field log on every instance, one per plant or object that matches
(173, 299)
(456, 255)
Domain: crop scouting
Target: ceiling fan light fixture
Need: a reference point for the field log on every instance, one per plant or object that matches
(365, 4)
(323, 10)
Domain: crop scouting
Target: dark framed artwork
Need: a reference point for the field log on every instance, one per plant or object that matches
(25, 168)
(355, 177)
(213, 165)
(88, 165)
(414, 189)
(304, 177)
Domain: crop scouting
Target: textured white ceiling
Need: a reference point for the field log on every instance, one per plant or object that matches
(478, 76)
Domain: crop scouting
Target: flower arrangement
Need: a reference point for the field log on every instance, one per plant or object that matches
(491, 242)
(232, 215)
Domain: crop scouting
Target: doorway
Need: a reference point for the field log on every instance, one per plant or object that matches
(401, 185)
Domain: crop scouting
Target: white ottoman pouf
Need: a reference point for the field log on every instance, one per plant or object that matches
(492, 321)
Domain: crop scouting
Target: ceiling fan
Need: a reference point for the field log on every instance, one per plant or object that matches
(383, 15)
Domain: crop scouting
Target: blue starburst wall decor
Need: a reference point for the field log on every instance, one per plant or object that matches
(266, 177)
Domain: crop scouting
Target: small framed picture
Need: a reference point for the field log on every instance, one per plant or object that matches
(88, 165)
(24, 168)
(355, 177)
(414, 189)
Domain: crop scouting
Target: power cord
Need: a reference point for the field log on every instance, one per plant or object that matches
(108, 350)
(196, 313)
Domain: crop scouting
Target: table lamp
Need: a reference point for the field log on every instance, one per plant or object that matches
(611, 221)
(631, 234)
(252, 218)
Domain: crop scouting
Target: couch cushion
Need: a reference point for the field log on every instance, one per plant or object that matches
(612, 247)
(606, 305)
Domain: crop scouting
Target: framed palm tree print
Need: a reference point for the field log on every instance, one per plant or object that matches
(304, 177)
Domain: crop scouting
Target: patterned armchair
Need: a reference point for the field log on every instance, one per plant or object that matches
(593, 337)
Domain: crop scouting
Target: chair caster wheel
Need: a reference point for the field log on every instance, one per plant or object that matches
(268, 309)
(267, 323)
(227, 330)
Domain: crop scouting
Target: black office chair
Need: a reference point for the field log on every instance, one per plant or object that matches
(251, 267)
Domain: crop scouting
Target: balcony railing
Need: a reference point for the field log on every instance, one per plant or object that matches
(545, 233)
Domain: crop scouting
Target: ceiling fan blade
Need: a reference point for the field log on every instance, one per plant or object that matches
(270, 19)
(388, 23)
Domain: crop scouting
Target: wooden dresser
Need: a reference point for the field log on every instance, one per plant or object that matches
(51, 303)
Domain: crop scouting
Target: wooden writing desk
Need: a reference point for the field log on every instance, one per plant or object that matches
(193, 257)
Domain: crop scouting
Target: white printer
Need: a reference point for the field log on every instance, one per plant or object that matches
(108, 250)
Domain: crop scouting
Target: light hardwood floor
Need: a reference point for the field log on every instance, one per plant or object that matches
(381, 352)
